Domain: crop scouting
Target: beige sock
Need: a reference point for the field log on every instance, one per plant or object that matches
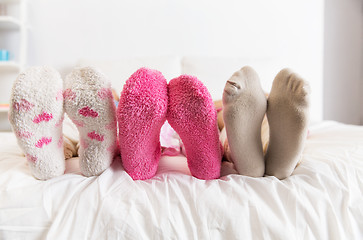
(244, 106)
(287, 115)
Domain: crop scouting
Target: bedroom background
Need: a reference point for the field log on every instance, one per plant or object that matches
(321, 40)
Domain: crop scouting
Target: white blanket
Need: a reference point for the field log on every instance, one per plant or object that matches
(323, 199)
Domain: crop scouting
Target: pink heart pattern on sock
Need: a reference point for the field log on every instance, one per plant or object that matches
(31, 158)
(43, 141)
(69, 94)
(44, 116)
(104, 93)
(94, 136)
(23, 134)
(23, 105)
(88, 112)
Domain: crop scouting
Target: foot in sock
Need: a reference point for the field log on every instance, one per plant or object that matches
(244, 106)
(36, 114)
(192, 115)
(287, 115)
(89, 104)
(141, 113)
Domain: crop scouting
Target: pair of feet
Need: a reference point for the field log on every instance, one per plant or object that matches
(39, 101)
(286, 108)
(146, 102)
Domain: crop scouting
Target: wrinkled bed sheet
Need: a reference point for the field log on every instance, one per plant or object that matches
(323, 199)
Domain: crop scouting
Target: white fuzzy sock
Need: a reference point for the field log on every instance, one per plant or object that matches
(244, 106)
(36, 115)
(287, 115)
(88, 102)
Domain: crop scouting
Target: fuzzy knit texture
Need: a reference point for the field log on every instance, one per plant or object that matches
(88, 102)
(36, 115)
(288, 114)
(141, 113)
(192, 114)
(244, 107)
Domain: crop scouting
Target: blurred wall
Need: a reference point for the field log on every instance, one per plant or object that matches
(343, 61)
(287, 33)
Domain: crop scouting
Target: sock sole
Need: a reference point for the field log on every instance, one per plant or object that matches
(244, 106)
(141, 114)
(88, 102)
(192, 114)
(36, 115)
(287, 114)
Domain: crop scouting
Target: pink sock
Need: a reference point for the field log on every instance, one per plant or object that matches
(141, 113)
(192, 114)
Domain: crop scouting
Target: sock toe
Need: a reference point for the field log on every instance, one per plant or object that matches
(141, 114)
(192, 114)
(36, 116)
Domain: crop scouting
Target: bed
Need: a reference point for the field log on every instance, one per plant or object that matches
(323, 199)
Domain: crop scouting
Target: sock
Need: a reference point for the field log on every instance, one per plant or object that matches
(89, 104)
(244, 106)
(287, 115)
(141, 112)
(36, 114)
(192, 115)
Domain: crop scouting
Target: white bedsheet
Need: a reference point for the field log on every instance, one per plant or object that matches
(323, 199)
